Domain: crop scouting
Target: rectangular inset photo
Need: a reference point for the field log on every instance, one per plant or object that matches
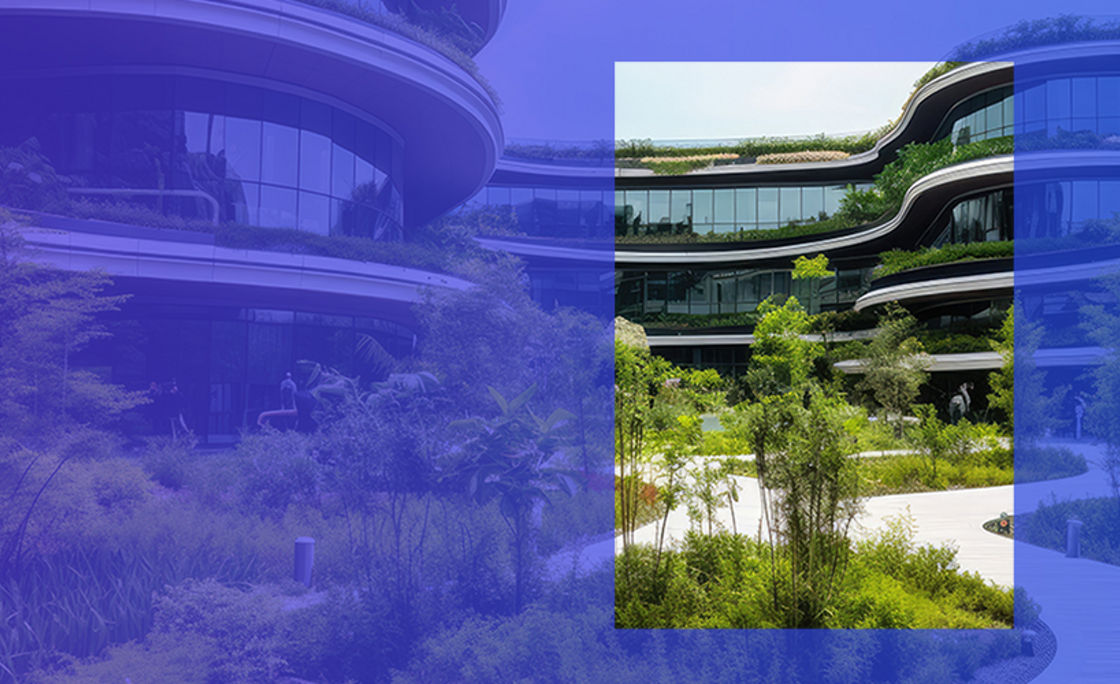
(814, 345)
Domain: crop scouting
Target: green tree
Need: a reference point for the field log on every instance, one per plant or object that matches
(51, 410)
(510, 458)
(896, 365)
(638, 377)
(809, 489)
(782, 359)
(1002, 381)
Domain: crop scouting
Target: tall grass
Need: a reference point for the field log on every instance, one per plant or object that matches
(80, 601)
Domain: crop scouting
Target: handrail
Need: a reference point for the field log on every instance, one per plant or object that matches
(154, 192)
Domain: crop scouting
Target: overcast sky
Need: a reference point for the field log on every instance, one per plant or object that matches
(685, 100)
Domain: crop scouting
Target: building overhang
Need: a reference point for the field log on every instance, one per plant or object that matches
(446, 121)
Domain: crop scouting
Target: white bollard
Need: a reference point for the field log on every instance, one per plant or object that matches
(305, 559)
(1073, 538)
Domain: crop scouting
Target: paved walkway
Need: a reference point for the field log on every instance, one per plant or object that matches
(1080, 598)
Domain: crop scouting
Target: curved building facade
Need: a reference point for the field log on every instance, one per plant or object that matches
(695, 255)
(164, 142)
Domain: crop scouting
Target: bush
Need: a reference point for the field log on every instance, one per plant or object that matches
(277, 469)
(167, 460)
(897, 260)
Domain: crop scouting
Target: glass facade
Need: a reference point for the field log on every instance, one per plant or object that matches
(229, 361)
(191, 147)
(548, 211)
(1062, 208)
(646, 295)
(1071, 104)
(984, 218)
(983, 116)
(724, 210)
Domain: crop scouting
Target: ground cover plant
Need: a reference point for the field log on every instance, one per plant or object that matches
(428, 488)
(723, 581)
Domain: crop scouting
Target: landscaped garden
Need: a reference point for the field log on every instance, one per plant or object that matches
(807, 451)
(436, 488)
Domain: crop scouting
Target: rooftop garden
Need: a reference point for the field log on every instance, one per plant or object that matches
(858, 207)
(643, 153)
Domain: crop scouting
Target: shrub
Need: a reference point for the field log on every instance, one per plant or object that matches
(277, 469)
(166, 461)
(897, 260)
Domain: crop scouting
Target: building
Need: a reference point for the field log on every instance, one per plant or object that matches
(698, 251)
(191, 149)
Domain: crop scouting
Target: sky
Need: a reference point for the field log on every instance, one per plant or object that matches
(553, 61)
(718, 100)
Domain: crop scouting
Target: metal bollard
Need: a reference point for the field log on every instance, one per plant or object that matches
(1073, 538)
(305, 559)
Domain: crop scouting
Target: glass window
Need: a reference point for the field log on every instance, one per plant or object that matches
(1110, 200)
(314, 213)
(832, 196)
(342, 171)
(767, 204)
(790, 205)
(245, 204)
(702, 206)
(724, 206)
(1035, 103)
(497, 197)
(681, 208)
(278, 207)
(1008, 105)
(196, 131)
(636, 211)
(812, 202)
(279, 160)
(658, 206)
(1057, 106)
(314, 162)
(1085, 98)
(746, 201)
(1084, 204)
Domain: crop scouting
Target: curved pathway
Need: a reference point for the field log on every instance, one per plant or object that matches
(1080, 598)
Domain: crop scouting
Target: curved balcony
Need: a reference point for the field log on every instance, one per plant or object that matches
(981, 278)
(156, 261)
(925, 199)
(445, 119)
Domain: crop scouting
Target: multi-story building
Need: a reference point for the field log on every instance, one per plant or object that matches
(698, 251)
(161, 142)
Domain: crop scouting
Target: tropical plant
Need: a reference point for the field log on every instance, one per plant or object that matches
(510, 458)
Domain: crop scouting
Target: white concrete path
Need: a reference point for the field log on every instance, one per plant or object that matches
(1080, 598)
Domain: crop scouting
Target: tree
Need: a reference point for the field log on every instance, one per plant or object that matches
(51, 410)
(782, 359)
(811, 270)
(509, 458)
(638, 375)
(809, 488)
(1002, 381)
(896, 365)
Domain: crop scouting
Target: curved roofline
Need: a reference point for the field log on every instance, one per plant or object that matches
(924, 105)
(372, 69)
